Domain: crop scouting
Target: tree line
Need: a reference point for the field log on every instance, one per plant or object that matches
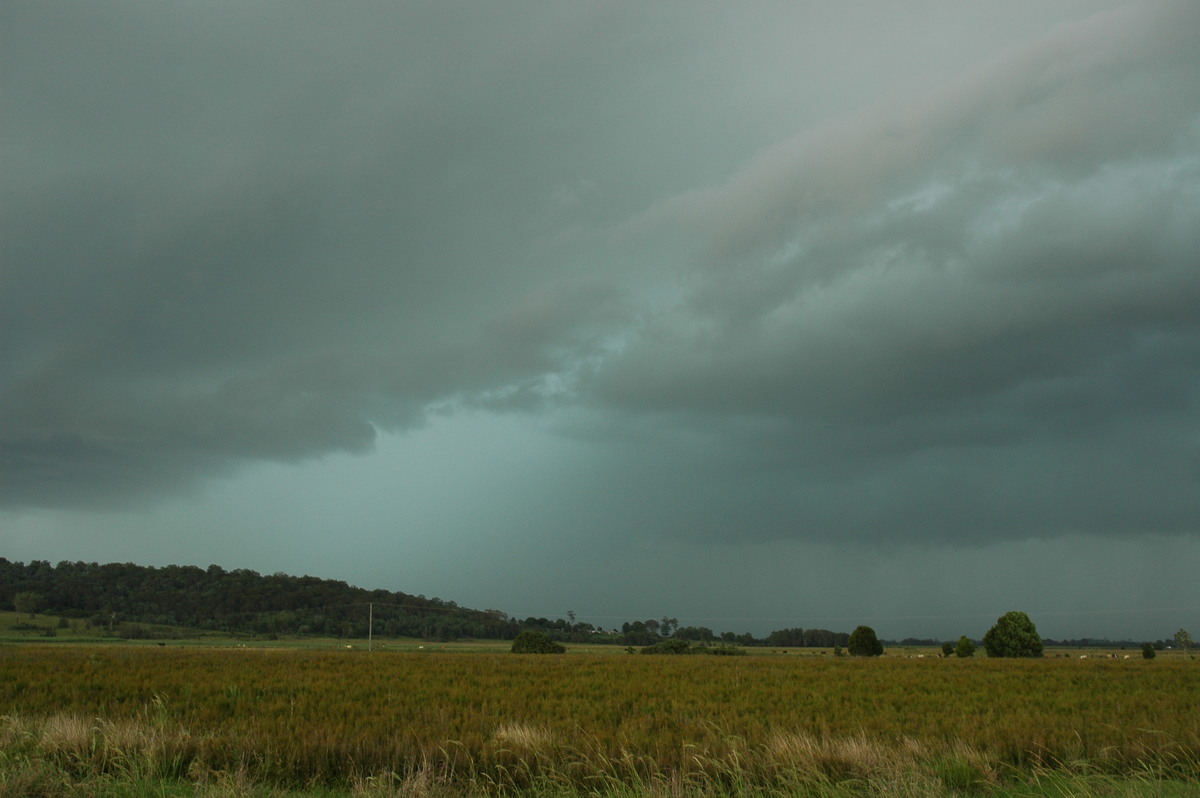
(121, 598)
(128, 600)
(125, 599)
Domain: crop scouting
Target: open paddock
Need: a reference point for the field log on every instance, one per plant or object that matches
(493, 721)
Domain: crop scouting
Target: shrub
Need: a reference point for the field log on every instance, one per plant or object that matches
(669, 647)
(864, 643)
(675, 646)
(1148, 651)
(532, 641)
(1014, 635)
(965, 647)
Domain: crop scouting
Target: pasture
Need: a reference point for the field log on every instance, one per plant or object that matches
(427, 722)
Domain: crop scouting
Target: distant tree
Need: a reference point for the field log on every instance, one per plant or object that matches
(28, 601)
(947, 648)
(786, 638)
(1148, 651)
(636, 634)
(965, 647)
(532, 641)
(701, 634)
(820, 638)
(1013, 635)
(1184, 641)
(864, 643)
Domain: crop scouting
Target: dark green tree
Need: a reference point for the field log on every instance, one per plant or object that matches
(864, 643)
(965, 647)
(1148, 651)
(1014, 635)
(947, 649)
(786, 638)
(28, 601)
(532, 641)
(701, 634)
(636, 634)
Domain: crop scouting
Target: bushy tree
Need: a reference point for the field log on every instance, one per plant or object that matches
(1148, 651)
(532, 641)
(637, 634)
(864, 643)
(28, 601)
(1014, 635)
(1184, 641)
(947, 648)
(965, 647)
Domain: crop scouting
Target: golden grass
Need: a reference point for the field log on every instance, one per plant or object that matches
(436, 724)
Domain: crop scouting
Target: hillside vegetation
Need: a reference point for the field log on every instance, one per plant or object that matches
(126, 598)
(138, 602)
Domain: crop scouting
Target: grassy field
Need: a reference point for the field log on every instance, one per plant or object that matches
(176, 719)
(21, 628)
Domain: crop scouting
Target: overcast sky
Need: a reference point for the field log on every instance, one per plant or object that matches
(757, 315)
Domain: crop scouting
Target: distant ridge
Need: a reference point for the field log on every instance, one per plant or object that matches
(127, 600)
(118, 595)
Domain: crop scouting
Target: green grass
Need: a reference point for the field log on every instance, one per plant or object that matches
(41, 628)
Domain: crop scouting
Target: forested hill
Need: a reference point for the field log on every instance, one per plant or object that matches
(117, 595)
(128, 600)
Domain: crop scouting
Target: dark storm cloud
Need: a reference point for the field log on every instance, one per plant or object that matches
(246, 232)
(241, 232)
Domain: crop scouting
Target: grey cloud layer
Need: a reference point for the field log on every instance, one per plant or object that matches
(978, 311)
(971, 310)
(971, 313)
(243, 233)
